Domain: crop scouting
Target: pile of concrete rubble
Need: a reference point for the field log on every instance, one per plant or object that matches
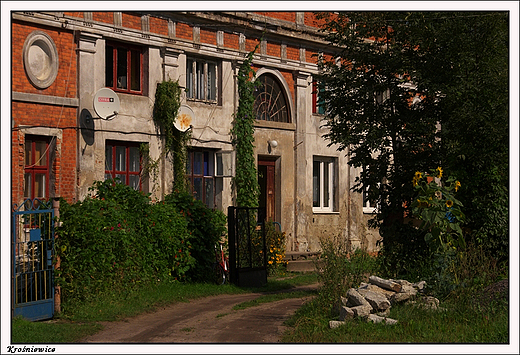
(372, 301)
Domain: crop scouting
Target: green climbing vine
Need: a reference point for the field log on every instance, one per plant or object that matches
(166, 108)
(245, 181)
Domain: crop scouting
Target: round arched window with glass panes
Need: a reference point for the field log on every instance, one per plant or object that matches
(271, 101)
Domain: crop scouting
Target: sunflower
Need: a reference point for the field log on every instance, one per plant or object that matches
(439, 172)
(457, 186)
(418, 175)
(449, 203)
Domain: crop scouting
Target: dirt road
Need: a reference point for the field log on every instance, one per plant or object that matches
(206, 320)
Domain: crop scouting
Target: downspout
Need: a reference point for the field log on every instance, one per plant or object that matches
(234, 66)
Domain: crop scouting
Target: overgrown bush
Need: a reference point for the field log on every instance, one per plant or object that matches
(116, 239)
(341, 269)
(205, 226)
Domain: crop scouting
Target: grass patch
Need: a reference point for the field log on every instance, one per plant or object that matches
(273, 298)
(80, 319)
(459, 323)
(50, 332)
(117, 306)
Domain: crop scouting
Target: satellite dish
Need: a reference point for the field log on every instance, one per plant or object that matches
(184, 118)
(106, 103)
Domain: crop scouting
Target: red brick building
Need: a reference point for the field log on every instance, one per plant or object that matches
(44, 110)
(60, 144)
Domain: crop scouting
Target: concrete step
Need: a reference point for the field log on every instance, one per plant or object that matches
(301, 265)
(300, 255)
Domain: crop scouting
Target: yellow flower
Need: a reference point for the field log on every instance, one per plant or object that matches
(457, 185)
(439, 172)
(449, 203)
(418, 175)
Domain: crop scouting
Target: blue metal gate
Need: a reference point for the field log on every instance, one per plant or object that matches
(32, 253)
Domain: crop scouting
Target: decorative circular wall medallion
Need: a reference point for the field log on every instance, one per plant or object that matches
(40, 59)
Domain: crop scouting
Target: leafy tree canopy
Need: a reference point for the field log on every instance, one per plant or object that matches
(410, 91)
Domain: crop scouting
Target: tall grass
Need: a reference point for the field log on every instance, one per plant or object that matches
(341, 269)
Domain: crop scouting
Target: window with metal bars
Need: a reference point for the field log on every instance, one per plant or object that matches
(271, 101)
(201, 80)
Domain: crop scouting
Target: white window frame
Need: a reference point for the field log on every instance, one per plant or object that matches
(367, 208)
(198, 87)
(325, 204)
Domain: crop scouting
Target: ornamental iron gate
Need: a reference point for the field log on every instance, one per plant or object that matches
(247, 246)
(32, 253)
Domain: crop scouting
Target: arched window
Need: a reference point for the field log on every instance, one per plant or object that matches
(271, 101)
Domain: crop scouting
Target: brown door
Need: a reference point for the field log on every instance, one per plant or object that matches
(266, 171)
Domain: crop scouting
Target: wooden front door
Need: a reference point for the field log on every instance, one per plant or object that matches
(266, 174)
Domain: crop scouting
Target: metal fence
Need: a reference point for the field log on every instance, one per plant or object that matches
(247, 246)
(32, 253)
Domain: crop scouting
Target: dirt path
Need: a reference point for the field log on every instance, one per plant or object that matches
(206, 320)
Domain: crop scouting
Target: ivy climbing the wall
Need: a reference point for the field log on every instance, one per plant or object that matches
(166, 108)
(245, 181)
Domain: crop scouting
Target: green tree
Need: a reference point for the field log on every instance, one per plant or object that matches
(367, 94)
(468, 63)
(413, 90)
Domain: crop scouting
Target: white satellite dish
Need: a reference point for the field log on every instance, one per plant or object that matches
(184, 118)
(106, 103)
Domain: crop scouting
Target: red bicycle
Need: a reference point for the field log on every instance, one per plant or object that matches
(221, 265)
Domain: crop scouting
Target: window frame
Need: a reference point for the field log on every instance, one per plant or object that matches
(33, 169)
(367, 207)
(325, 205)
(208, 172)
(113, 172)
(261, 91)
(129, 75)
(317, 107)
(192, 80)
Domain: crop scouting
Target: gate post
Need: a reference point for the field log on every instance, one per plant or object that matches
(57, 289)
(232, 245)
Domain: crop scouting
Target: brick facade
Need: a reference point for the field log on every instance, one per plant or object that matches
(159, 26)
(65, 83)
(131, 21)
(286, 16)
(45, 118)
(184, 31)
